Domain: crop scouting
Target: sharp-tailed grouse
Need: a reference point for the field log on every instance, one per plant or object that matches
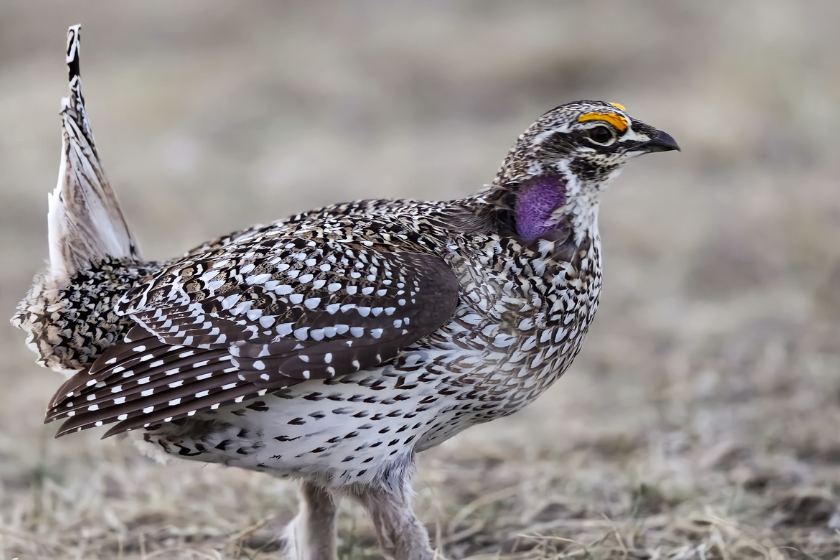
(334, 345)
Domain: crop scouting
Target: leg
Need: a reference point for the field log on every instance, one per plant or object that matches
(400, 533)
(311, 534)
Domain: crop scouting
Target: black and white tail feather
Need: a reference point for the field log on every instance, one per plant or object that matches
(93, 259)
(70, 313)
(85, 220)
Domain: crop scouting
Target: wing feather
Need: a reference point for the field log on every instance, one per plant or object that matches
(259, 314)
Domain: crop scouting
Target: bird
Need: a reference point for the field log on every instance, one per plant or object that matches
(333, 346)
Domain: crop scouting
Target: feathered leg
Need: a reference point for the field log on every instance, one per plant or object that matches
(311, 534)
(400, 533)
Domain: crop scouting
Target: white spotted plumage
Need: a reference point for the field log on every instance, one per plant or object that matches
(336, 344)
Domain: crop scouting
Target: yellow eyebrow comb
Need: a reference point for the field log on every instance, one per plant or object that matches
(615, 119)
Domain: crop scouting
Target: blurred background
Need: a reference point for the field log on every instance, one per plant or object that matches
(701, 419)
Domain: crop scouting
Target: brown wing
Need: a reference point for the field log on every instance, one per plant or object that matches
(258, 315)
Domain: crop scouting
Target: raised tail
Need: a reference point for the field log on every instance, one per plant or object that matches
(85, 220)
(68, 313)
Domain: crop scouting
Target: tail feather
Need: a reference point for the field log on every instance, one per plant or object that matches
(68, 314)
(85, 220)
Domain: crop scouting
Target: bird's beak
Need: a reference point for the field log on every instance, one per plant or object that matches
(662, 142)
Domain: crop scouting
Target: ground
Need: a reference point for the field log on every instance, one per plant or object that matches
(700, 420)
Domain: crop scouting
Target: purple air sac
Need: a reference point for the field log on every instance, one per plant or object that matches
(535, 201)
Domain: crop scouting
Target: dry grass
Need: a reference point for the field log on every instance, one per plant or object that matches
(700, 421)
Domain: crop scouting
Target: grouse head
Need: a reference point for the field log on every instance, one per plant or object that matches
(554, 174)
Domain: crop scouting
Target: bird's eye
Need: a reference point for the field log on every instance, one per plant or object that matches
(600, 134)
